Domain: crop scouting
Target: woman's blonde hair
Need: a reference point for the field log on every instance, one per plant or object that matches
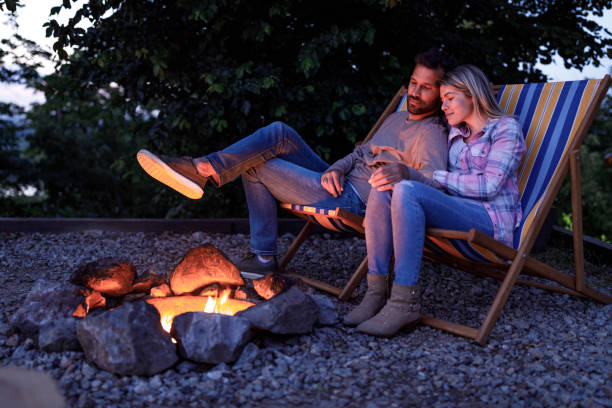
(471, 81)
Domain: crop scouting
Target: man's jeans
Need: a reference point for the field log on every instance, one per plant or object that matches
(276, 164)
(396, 221)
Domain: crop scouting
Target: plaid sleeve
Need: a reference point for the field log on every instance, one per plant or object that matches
(504, 157)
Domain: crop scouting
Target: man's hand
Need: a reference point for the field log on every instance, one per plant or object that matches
(333, 182)
(386, 176)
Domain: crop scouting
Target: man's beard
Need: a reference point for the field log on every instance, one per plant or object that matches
(420, 109)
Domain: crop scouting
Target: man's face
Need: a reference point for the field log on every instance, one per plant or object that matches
(424, 91)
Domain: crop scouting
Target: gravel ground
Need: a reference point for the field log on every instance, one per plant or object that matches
(546, 350)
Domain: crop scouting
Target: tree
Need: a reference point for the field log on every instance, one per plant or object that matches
(17, 172)
(214, 71)
(596, 180)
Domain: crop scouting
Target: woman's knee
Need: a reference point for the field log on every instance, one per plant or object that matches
(413, 191)
(406, 189)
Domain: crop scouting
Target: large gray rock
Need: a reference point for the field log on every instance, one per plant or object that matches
(203, 266)
(110, 276)
(48, 309)
(328, 315)
(290, 312)
(128, 340)
(211, 337)
(59, 335)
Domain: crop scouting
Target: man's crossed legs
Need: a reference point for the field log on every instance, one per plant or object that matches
(275, 164)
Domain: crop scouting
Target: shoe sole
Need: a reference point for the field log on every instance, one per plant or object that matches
(160, 171)
(251, 275)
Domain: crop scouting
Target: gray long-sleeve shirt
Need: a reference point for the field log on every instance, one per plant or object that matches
(421, 144)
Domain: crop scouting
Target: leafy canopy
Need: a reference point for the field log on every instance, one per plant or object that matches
(192, 76)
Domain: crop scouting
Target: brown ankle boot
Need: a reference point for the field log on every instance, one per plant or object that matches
(373, 300)
(402, 309)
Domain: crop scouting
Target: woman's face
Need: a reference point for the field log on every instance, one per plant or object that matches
(457, 106)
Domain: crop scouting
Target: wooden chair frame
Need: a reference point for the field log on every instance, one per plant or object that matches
(520, 262)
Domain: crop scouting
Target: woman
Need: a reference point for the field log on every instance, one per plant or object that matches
(485, 149)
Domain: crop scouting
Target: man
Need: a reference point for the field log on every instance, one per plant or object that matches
(277, 165)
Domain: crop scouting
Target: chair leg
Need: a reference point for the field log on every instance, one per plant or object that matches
(297, 243)
(358, 275)
(576, 190)
(501, 297)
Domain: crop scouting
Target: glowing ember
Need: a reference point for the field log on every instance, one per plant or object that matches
(171, 306)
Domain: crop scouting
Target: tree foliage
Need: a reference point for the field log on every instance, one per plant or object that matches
(192, 76)
(596, 180)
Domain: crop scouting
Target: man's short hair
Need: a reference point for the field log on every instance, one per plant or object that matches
(435, 58)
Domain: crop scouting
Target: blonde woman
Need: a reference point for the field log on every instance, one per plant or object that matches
(478, 190)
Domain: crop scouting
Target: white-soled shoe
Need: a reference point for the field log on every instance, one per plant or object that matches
(178, 173)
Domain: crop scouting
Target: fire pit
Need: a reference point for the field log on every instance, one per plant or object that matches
(142, 324)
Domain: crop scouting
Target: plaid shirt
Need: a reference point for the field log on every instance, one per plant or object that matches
(488, 173)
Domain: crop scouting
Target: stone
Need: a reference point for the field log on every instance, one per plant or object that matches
(23, 388)
(59, 335)
(51, 304)
(328, 315)
(247, 292)
(162, 290)
(210, 290)
(144, 282)
(203, 266)
(210, 337)
(133, 297)
(109, 276)
(291, 312)
(128, 340)
(94, 300)
(248, 355)
(271, 285)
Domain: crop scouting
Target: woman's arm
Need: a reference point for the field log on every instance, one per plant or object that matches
(503, 159)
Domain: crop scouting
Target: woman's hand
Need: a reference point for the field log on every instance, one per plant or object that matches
(386, 176)
(333, 182)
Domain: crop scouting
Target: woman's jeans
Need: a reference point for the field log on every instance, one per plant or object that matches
(276, 164)
(396, 221)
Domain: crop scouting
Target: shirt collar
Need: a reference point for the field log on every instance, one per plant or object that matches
(463, 131)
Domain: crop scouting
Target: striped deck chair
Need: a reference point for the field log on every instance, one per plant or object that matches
(555, 118)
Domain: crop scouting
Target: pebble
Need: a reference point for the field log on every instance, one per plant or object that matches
(547, 350)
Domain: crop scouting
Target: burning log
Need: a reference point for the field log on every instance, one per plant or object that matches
(107, 275)
(203, 266)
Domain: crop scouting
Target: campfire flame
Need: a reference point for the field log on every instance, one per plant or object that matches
(172, 306)
(166, 322)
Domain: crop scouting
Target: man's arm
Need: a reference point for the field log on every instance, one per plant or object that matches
(432, 155)
(332, 180)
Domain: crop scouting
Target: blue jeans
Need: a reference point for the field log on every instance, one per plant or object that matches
(277, 165)
(396, 221)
